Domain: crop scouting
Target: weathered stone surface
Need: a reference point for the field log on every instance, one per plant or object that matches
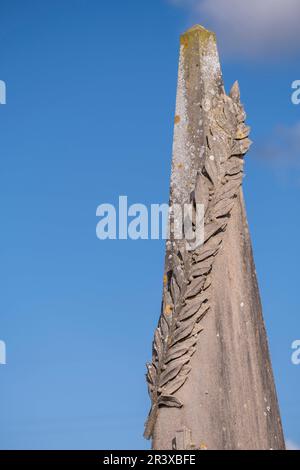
(210, 376)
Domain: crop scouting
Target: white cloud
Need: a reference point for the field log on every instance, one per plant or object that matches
(258, 28)
(281, 147)
(291, 445)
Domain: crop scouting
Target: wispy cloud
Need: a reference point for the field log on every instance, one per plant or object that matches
(291, 445)
(254, 29)
(281, 147)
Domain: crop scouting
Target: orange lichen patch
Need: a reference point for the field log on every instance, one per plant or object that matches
(179, 165)
(242, 132)
(184, 40)
(177, 119)
(165, 279)
(168, 309)
(203, 446)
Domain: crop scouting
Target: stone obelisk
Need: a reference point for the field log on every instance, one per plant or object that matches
(210, 379)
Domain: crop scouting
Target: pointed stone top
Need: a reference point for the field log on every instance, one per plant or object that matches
(197, 32)
(197, 28)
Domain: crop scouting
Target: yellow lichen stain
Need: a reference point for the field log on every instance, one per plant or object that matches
(203, 446)
(177, 119)
(242, 133)
(199, 32)
(184, 41)
(168, 309)
(179, 165)
(165, 279)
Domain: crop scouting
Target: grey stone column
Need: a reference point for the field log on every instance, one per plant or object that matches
(210, 379)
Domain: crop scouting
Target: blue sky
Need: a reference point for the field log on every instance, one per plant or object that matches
(90, 103)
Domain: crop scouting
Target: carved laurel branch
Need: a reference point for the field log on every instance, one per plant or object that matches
(186, 291)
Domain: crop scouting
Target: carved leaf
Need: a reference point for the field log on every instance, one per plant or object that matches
(179, 349)
(175, 385)
(151, 376)
(211, 229)
(195, 287)
(234, 170)
(230, 190)
(184, 330)
(242, 132)
(172, 370)
(164, 327)
(223, 207)
(240, 147)
(186, 291)
(205, 254)
(170, 401)
(201, 268)
(211, 169)
(174, 288)
(198, 328)
(157, 344)
(192, 307)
